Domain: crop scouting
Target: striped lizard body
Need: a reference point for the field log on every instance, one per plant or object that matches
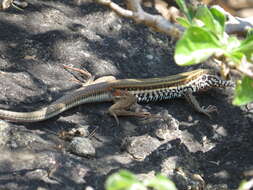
(126, 92)
(175, 86)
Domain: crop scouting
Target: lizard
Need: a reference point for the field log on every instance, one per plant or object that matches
(125, 93)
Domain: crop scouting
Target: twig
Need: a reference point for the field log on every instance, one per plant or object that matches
(135, 12)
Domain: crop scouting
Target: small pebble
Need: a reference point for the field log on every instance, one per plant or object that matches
(82, 146)
(150, 57)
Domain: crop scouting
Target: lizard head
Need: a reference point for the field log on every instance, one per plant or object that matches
(207, 81)
(215, 81)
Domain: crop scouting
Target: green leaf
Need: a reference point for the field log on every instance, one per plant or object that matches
(237, 57)
(250, 33)
(206, 17)
(161, 183)
(246, 47)
(220, 18)
(196, 45)
(233, 42)
(184, 9)
(245, 185)
(244, 91)
(247, 44)
(123, 180)
(184, 22)
(242, 185)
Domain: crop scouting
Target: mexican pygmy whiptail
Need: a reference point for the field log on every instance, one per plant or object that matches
(127, 92)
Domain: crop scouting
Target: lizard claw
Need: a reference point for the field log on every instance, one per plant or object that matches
(150, 118)
(209, 109)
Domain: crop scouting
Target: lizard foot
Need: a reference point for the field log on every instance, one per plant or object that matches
(209, 109)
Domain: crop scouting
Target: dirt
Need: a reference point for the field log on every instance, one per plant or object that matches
(35, 44)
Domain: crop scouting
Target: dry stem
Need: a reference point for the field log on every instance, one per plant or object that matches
(135, 12)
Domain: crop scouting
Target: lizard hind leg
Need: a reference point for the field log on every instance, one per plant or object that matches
(83, 72)
(122, 104)
(88, 75)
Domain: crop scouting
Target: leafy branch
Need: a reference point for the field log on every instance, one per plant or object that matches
(205, 37)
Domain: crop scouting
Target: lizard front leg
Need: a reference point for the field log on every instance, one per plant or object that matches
(123, 101)
(193, 101)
